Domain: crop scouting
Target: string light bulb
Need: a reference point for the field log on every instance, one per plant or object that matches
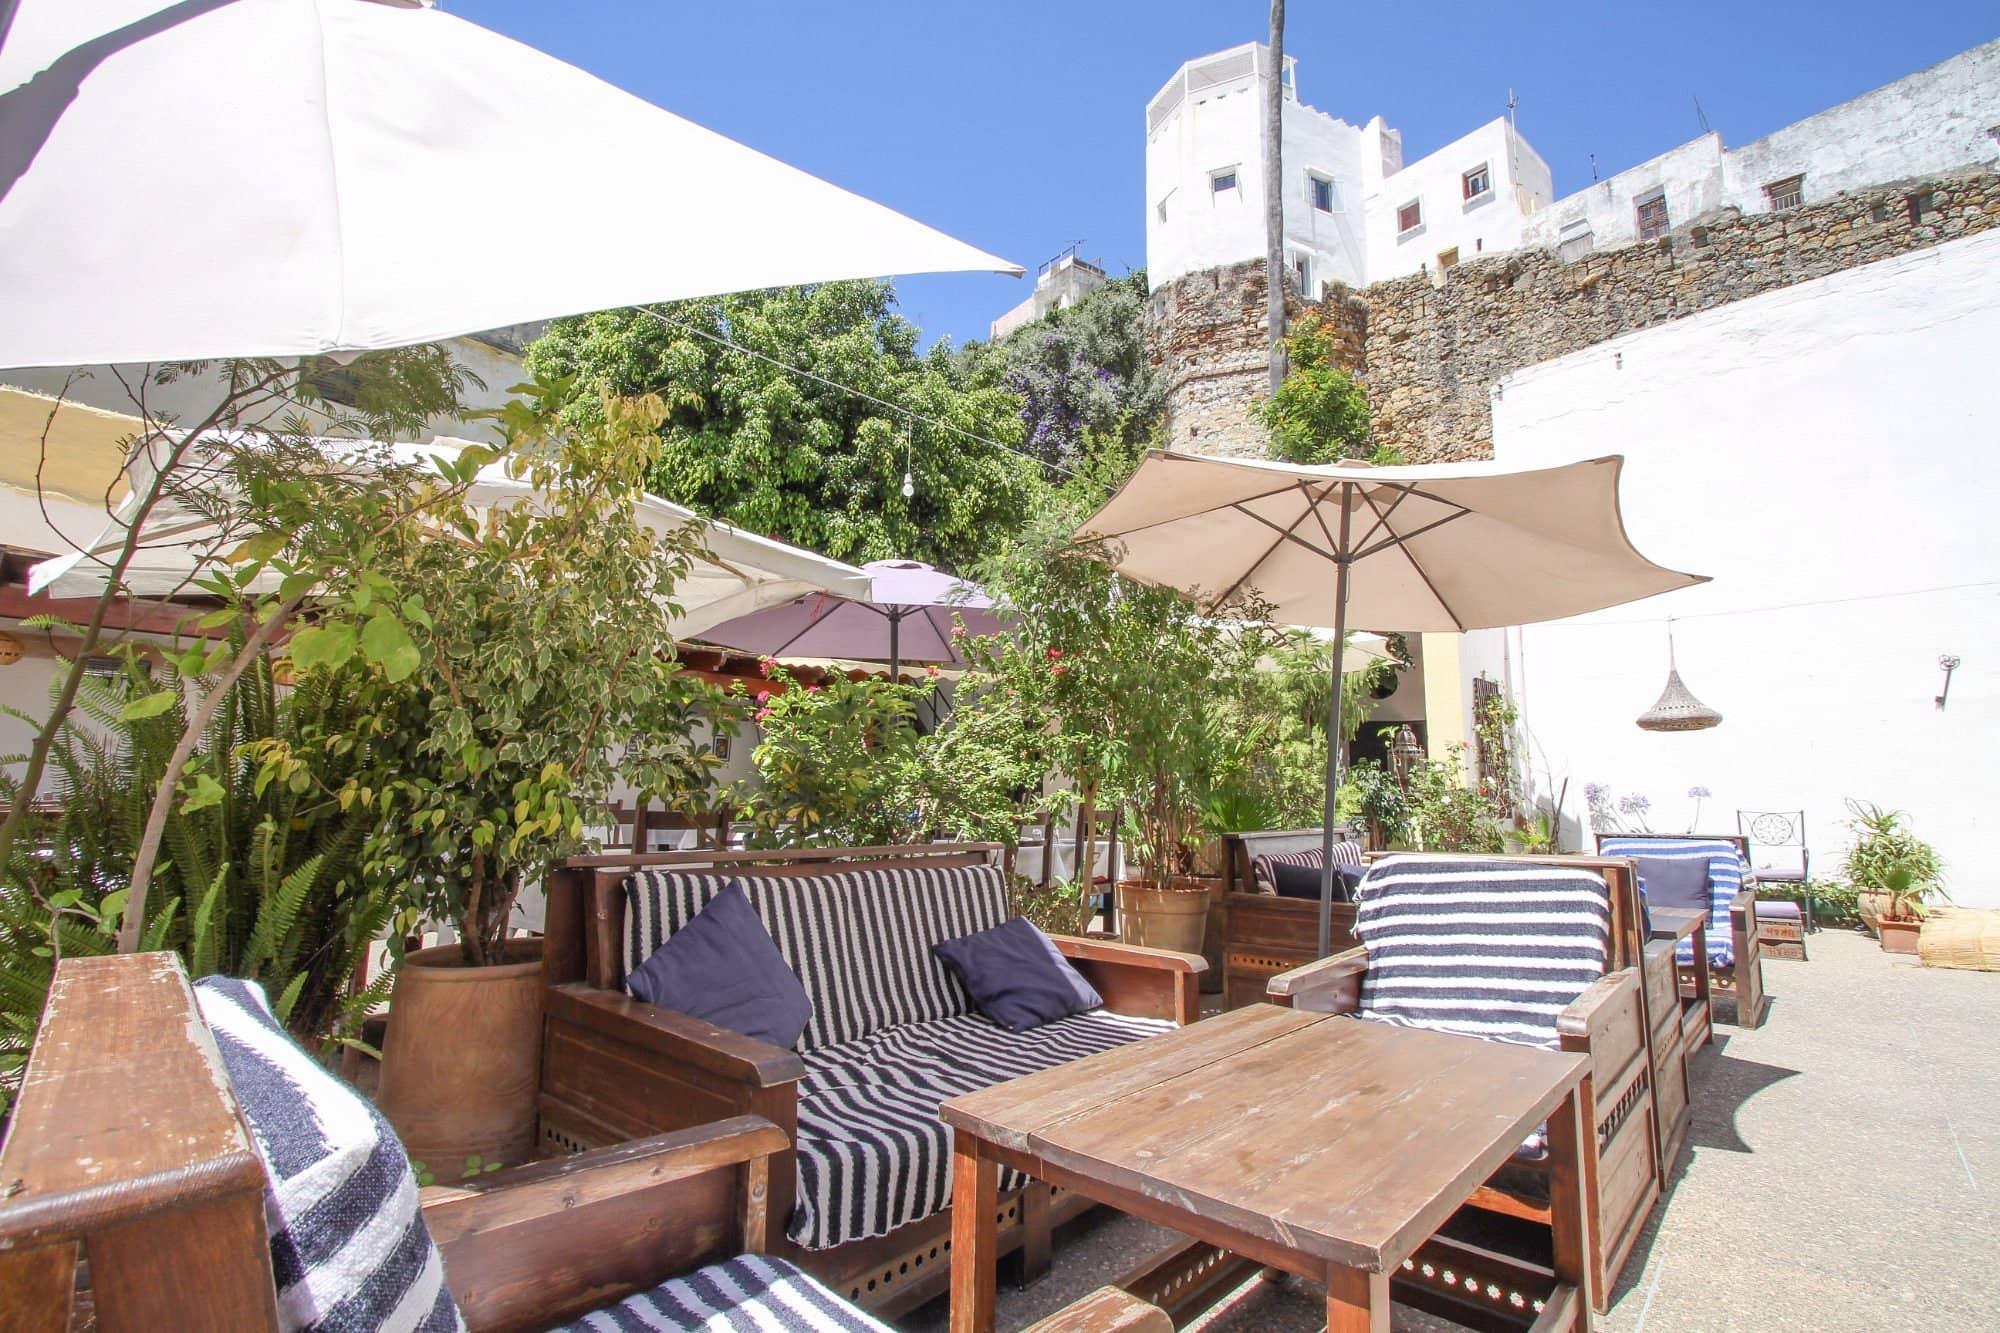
(909, 487)
(909, 438)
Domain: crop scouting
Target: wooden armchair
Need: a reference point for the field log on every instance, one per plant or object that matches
(1607, 1021)
(615, 1068)
(1736, 942)
(1264, 934)
(131, 1167)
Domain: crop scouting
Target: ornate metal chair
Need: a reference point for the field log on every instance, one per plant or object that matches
(1779, 855)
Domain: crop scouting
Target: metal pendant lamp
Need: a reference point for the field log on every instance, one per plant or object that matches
(1677, 709)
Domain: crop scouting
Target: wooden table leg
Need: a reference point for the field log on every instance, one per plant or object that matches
(1357, 1301)
(975, 1196)
(1568, 1217)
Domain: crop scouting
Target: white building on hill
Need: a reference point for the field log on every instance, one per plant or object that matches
(1355, 212)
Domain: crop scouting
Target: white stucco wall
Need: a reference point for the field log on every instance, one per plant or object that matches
(1824, 452)
(1521, 183)
(1215, 124)
(1691, 176)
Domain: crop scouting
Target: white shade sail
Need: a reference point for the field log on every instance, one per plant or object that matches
(739, 572)
(1446, 547)
(283, 177)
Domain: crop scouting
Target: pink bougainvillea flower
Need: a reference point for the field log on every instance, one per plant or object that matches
(958, 631)
(1058, 669)
(1055, 654)
(761, 695)
(766, 665)
(931, 671)
(763, 713)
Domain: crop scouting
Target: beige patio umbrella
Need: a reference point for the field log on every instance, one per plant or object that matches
(1448, 547)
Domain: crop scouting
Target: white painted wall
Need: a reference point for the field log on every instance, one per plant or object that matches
(1824, 452)
(1520, 183)
(1937, 120)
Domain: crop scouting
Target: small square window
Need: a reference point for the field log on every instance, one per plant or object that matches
(1322, 192)
(1410, 216)
(1787, 193)
(1447, 259)
(1218, 181)
(1651, 215)
(1477, 182)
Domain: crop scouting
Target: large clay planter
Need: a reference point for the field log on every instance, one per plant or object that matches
(1870, 904)
(1899, 936)
(462, 1060)
(1175, 918)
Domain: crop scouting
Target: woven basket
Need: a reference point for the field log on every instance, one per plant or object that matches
(1961, 937)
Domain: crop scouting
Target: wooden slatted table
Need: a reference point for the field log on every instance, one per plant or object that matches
(1320, 1145)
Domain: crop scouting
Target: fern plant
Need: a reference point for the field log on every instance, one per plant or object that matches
(260, 875)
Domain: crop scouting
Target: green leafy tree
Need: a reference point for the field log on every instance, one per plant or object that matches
(1319, 414)
(834, 762)
(1088, 395)
(788, 456)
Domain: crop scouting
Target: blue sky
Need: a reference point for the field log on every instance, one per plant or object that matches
(1019, 126)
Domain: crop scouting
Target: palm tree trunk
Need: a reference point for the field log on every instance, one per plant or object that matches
(1274, 194)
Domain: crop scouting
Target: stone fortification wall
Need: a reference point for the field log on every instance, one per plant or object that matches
(1430, 351)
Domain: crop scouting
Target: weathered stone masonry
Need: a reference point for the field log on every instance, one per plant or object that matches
(1430, 353)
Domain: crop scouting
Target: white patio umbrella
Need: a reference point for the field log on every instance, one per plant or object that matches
(1447, 547)
(738, 572)
(283, 177)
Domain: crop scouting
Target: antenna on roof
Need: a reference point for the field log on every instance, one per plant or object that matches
(1593, 166)
(1701, 116)
(1512, 102)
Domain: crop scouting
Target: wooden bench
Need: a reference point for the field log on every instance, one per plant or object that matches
(615, 1068)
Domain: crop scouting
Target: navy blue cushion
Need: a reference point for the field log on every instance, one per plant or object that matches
(1675, 882)
(722, 966)
(1016, 976)
(1303, 881)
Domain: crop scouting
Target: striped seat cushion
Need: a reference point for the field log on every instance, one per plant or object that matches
(349, 1249)
(1263, 868)
(1727, 875)
(1492, 949)
(753, 1293)
(859, 940)
(873, 1154)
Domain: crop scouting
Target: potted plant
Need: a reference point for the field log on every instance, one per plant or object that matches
(530, 643)
(1892, 871)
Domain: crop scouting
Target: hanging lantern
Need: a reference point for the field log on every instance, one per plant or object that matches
(1677, 710)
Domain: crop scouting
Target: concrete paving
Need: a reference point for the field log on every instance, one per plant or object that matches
(1842, 1173)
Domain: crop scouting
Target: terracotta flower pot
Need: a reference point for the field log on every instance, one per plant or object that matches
(1174, 918)
(461, 1063)
(1899, 936)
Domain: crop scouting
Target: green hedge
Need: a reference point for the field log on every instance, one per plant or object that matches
(1833, 904)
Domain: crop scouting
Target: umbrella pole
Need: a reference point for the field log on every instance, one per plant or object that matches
(1333, 722)
(895, 646)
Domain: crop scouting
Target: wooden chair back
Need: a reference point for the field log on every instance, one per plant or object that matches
(634, 826)
(127, 1152)
(584, 929)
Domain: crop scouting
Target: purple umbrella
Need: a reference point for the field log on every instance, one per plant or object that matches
(909, 618)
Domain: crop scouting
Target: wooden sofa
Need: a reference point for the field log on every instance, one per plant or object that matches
(1742, 978)
(1633, 1089)
(615, 1068)
(1263, 934)
(130, 1168)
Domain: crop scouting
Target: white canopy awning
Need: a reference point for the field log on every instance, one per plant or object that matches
(742, 572)
(207, 178)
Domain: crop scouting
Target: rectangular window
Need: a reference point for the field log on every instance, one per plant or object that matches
(1651, 215)
(1410, 217)
(1302, 275)
(1322, 192)
(1218, 181)
(1787, 193)
(1477, 182)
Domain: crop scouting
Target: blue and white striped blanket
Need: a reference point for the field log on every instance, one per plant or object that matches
(349, 1249)
(1728, 874)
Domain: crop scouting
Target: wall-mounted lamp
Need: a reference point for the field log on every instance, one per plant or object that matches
(1949, 662)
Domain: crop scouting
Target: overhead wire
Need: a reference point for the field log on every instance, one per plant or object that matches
(1773, 608)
